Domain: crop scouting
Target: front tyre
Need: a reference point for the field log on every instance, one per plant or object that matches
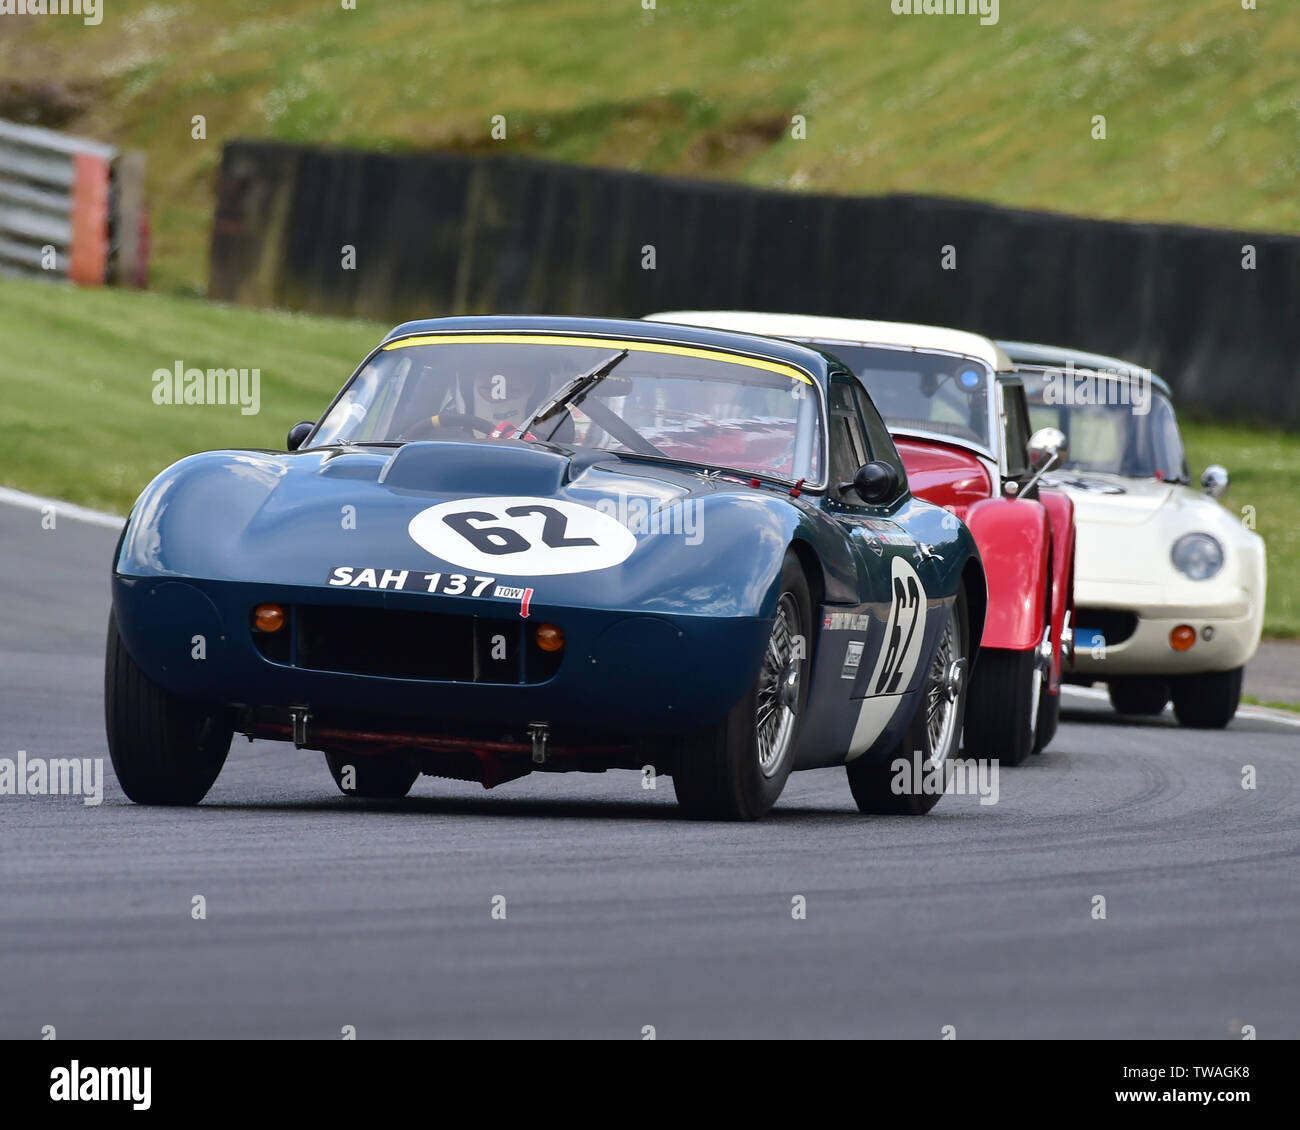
(164, 749)
(934, 735)
(736, 769)
(1208, 701)
(373, 776)
(1140, 695)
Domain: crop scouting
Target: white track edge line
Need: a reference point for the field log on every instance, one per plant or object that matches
(24, 501)
(1260, 713)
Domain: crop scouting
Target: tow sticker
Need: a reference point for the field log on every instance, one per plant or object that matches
(521, 595)
(522, 537)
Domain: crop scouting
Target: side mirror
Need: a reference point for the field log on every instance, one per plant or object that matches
(299, 432)
(874, 483)
(1215, 480)
(1048, 447)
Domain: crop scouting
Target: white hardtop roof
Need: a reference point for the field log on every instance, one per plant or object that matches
(857, 331)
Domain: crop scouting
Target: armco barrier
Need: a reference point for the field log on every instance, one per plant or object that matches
(436, 233)
(70, 208)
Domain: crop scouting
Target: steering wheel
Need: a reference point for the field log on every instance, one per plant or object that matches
(461, 420)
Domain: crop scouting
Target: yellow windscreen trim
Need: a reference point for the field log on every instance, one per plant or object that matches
(602, 342)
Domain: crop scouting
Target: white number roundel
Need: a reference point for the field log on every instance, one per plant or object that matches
(904, 632)
(522, 537)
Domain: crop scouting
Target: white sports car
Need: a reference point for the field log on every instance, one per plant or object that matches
(1169, 585)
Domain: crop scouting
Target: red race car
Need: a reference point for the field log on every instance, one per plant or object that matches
(958, 415)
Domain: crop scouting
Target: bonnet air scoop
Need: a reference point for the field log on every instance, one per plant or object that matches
(489, 467)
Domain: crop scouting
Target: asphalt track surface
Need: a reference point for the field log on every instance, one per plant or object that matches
(324, 911)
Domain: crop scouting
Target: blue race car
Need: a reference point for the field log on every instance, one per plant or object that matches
(518, 544)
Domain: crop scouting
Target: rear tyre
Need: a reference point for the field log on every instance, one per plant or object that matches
(372, 776)
(165, 749)
(1139, 694)
(1002, 714)
(1209, 701)
(736, 769)
(935, 733)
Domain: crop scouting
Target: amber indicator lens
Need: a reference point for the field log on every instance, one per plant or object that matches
(1182, 637)
(549, 637)
(268, 617)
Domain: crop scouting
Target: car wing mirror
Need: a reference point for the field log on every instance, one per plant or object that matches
(1048, 447)
(874, 483)
(298, 433)
(1214, 480)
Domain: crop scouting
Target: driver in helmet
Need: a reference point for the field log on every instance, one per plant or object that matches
(505, 399)
(488, 403)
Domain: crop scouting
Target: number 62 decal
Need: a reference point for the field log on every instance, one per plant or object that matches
(904, 631)
(522, 537)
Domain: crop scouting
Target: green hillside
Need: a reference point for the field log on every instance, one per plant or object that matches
(1200, 96)
(76, 382)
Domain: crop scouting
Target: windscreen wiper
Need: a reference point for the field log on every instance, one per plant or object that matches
(570, 391)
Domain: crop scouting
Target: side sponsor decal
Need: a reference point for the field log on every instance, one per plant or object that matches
(852, 659)
(846, 621)
(522, 537)
(889, 533)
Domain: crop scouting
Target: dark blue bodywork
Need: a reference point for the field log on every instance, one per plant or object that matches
(663, 643)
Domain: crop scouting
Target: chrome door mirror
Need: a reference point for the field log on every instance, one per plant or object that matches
(1048, 447)
(1214, 481)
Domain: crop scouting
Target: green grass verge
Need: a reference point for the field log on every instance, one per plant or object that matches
(1202, 121)
(76, 378)
(1264, 490)
(1251, 700)
(76, 383)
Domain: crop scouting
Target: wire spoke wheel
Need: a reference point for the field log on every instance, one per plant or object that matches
(933, 731)
(778, 688)
(736, 768)
(942, 687)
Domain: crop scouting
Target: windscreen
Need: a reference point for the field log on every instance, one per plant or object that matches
(918, 391)
(1108, 432)
(682, 403)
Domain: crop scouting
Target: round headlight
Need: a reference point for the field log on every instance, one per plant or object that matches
(1197, 556)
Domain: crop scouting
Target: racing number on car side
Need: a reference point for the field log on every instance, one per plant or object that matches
(904, 637)
(506, 539)
(522, 536)
(903, 616)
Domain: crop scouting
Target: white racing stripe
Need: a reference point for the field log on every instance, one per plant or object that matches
(24, 501)
(1258, 713)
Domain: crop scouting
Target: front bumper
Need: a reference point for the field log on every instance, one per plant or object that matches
(624, 675)
(1227, 633)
